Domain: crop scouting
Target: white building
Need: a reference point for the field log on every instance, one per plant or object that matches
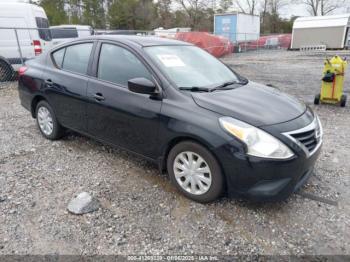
(332, 31)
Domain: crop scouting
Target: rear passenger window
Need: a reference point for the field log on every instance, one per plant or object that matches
(118, 65)
(58, 57)
(76, 58)
(64, 32)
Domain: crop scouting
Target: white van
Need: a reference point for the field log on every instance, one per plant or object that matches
(65, 33)
(31, 23)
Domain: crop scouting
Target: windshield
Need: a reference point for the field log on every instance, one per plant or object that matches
(190, 66)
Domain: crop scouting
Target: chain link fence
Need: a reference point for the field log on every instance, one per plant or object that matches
(17, 45)
(10, 54)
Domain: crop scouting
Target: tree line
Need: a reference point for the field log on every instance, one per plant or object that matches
(197, 14)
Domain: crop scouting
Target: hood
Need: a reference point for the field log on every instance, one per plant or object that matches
(255, 104)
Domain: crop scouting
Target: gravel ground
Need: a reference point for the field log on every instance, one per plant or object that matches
(142, 213)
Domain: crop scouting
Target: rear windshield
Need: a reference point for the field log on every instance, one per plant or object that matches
(64, 33)
(42, 24)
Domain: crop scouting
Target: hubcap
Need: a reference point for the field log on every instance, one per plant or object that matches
(192, 173)
(45, 121)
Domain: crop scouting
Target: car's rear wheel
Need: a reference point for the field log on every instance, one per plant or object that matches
(195, 172)
(47, 121)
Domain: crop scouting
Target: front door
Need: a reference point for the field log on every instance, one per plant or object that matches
(117, 115)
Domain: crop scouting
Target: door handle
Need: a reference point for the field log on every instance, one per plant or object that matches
(99, 97)
(48, 83)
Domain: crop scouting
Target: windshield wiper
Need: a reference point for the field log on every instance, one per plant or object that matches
(195, 89)
(225, 86)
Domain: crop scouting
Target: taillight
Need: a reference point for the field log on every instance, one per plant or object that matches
(37, 47)
(22, 70)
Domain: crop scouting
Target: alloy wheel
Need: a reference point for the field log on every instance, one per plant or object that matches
(45, 121)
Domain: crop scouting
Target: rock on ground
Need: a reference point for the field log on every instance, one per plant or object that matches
(83, 204)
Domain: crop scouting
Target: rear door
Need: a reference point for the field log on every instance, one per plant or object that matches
(115, 114)
(66, 83)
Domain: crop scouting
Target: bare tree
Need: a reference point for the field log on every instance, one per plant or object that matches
(312, 6)
(264, 6)
(247, 6)
(328, 6)
(276, 5)
(193, 8)
(225, 5)
(164, 12)
(322, 7)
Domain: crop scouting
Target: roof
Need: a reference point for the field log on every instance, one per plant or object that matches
(234, 13)
(140, 40)
(71, 26)
(322, 21)
(19, 4)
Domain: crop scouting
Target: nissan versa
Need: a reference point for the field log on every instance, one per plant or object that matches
(212, 130)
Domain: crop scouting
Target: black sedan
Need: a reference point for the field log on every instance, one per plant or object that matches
(212, 130)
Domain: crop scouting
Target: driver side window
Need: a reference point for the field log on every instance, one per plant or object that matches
(118, 65)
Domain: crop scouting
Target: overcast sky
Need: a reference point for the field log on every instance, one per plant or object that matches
(286, 12)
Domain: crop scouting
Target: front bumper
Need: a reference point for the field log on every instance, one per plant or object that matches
(277, 190)
(261, 179)
(272, 180)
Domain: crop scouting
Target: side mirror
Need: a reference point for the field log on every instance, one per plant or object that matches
(142, 86)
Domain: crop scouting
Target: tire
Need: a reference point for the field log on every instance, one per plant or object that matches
(207, 186)
(317, 99)
(56, 131)
(6, 72)
(343, 100)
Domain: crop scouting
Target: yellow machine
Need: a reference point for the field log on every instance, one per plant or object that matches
(332, 82)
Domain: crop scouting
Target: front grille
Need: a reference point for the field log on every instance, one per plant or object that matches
(308, 139)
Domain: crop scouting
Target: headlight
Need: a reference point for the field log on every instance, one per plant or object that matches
(259, 143)
(319, 130)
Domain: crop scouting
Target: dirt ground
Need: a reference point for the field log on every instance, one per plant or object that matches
(141, 211)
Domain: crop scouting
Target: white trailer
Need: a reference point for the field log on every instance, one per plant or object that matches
(330, 31)
(237, 27)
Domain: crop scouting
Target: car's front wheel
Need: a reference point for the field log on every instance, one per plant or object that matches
(195, 172)
(47, 121)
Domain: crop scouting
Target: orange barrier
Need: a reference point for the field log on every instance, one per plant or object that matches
(215, 45)
(268, 41)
